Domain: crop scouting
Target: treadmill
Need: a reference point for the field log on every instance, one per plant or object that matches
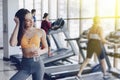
(54, 73)
(115, 74)
(60, 53)
(62, 71)
(91, 76)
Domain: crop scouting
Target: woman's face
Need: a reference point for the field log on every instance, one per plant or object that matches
(28, 20)
(47, 17)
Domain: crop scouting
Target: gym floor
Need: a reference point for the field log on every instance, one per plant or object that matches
(7, 70)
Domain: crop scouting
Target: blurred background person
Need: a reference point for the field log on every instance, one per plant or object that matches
(46, 25)
(33, 12)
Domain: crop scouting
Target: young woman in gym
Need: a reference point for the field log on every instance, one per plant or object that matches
(46, 25)
(29, 38)
(95, 44)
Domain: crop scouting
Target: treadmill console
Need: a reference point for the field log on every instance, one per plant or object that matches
(59, 23)
(85, 33)
(114, 37)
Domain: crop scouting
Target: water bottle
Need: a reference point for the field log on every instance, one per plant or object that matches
(35, 58)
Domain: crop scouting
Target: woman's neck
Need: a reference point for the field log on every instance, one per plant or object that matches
(46, 19)
(29, 28)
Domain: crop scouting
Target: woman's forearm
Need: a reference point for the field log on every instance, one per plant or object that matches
(107, 42)
(13, 38)
(44, 50)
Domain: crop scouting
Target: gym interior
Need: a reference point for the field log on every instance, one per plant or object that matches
(68, 41)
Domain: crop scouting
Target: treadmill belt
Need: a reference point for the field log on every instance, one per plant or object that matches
(62, 71)
(55, 52)
(57, 55)
(91, 76)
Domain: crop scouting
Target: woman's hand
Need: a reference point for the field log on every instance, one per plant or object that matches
(35, 51)
(16, 19)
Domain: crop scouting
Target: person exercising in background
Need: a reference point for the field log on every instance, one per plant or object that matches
(95, 44)
(46, 25)
(33, 12)
(29, 38)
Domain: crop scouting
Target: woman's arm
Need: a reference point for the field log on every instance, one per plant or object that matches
(48, 24)
(39, 51)
(13, 38)
(44, 42)
(103, 39)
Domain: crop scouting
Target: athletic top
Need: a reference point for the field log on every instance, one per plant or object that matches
(94, 36)
(45, 25)
(95, 32)
(30, 42)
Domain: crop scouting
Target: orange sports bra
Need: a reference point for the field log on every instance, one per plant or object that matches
(30, 42)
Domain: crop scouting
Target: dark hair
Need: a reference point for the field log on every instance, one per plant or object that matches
(21, 15)
(45, 15)
(33, 10)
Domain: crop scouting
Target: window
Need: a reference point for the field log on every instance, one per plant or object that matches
(62, 8)
(86, 24)
(118, 24)
(88, 8)
(37, 6)
(108, 24)
(21, 4)
(53, 9)
(106, 7)
(74, 8)
(73, 28)
(44, 6)
(118, 7)
(29, 4)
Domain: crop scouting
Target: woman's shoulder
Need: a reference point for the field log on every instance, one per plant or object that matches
(39, 30)
(44, 21)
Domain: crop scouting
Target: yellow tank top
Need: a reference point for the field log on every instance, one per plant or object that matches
(95, 30)
(30, 42)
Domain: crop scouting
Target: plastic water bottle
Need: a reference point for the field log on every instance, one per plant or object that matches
(35, 58)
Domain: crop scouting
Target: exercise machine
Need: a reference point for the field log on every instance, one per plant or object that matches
(54, 73)
(115, 74)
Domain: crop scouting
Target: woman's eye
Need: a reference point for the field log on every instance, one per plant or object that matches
(27, 20)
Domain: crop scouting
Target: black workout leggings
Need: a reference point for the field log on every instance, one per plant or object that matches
(48, 40)
(96, 46)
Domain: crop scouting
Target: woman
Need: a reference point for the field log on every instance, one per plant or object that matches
(46, 25)
(95, 44)
(29, 38)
